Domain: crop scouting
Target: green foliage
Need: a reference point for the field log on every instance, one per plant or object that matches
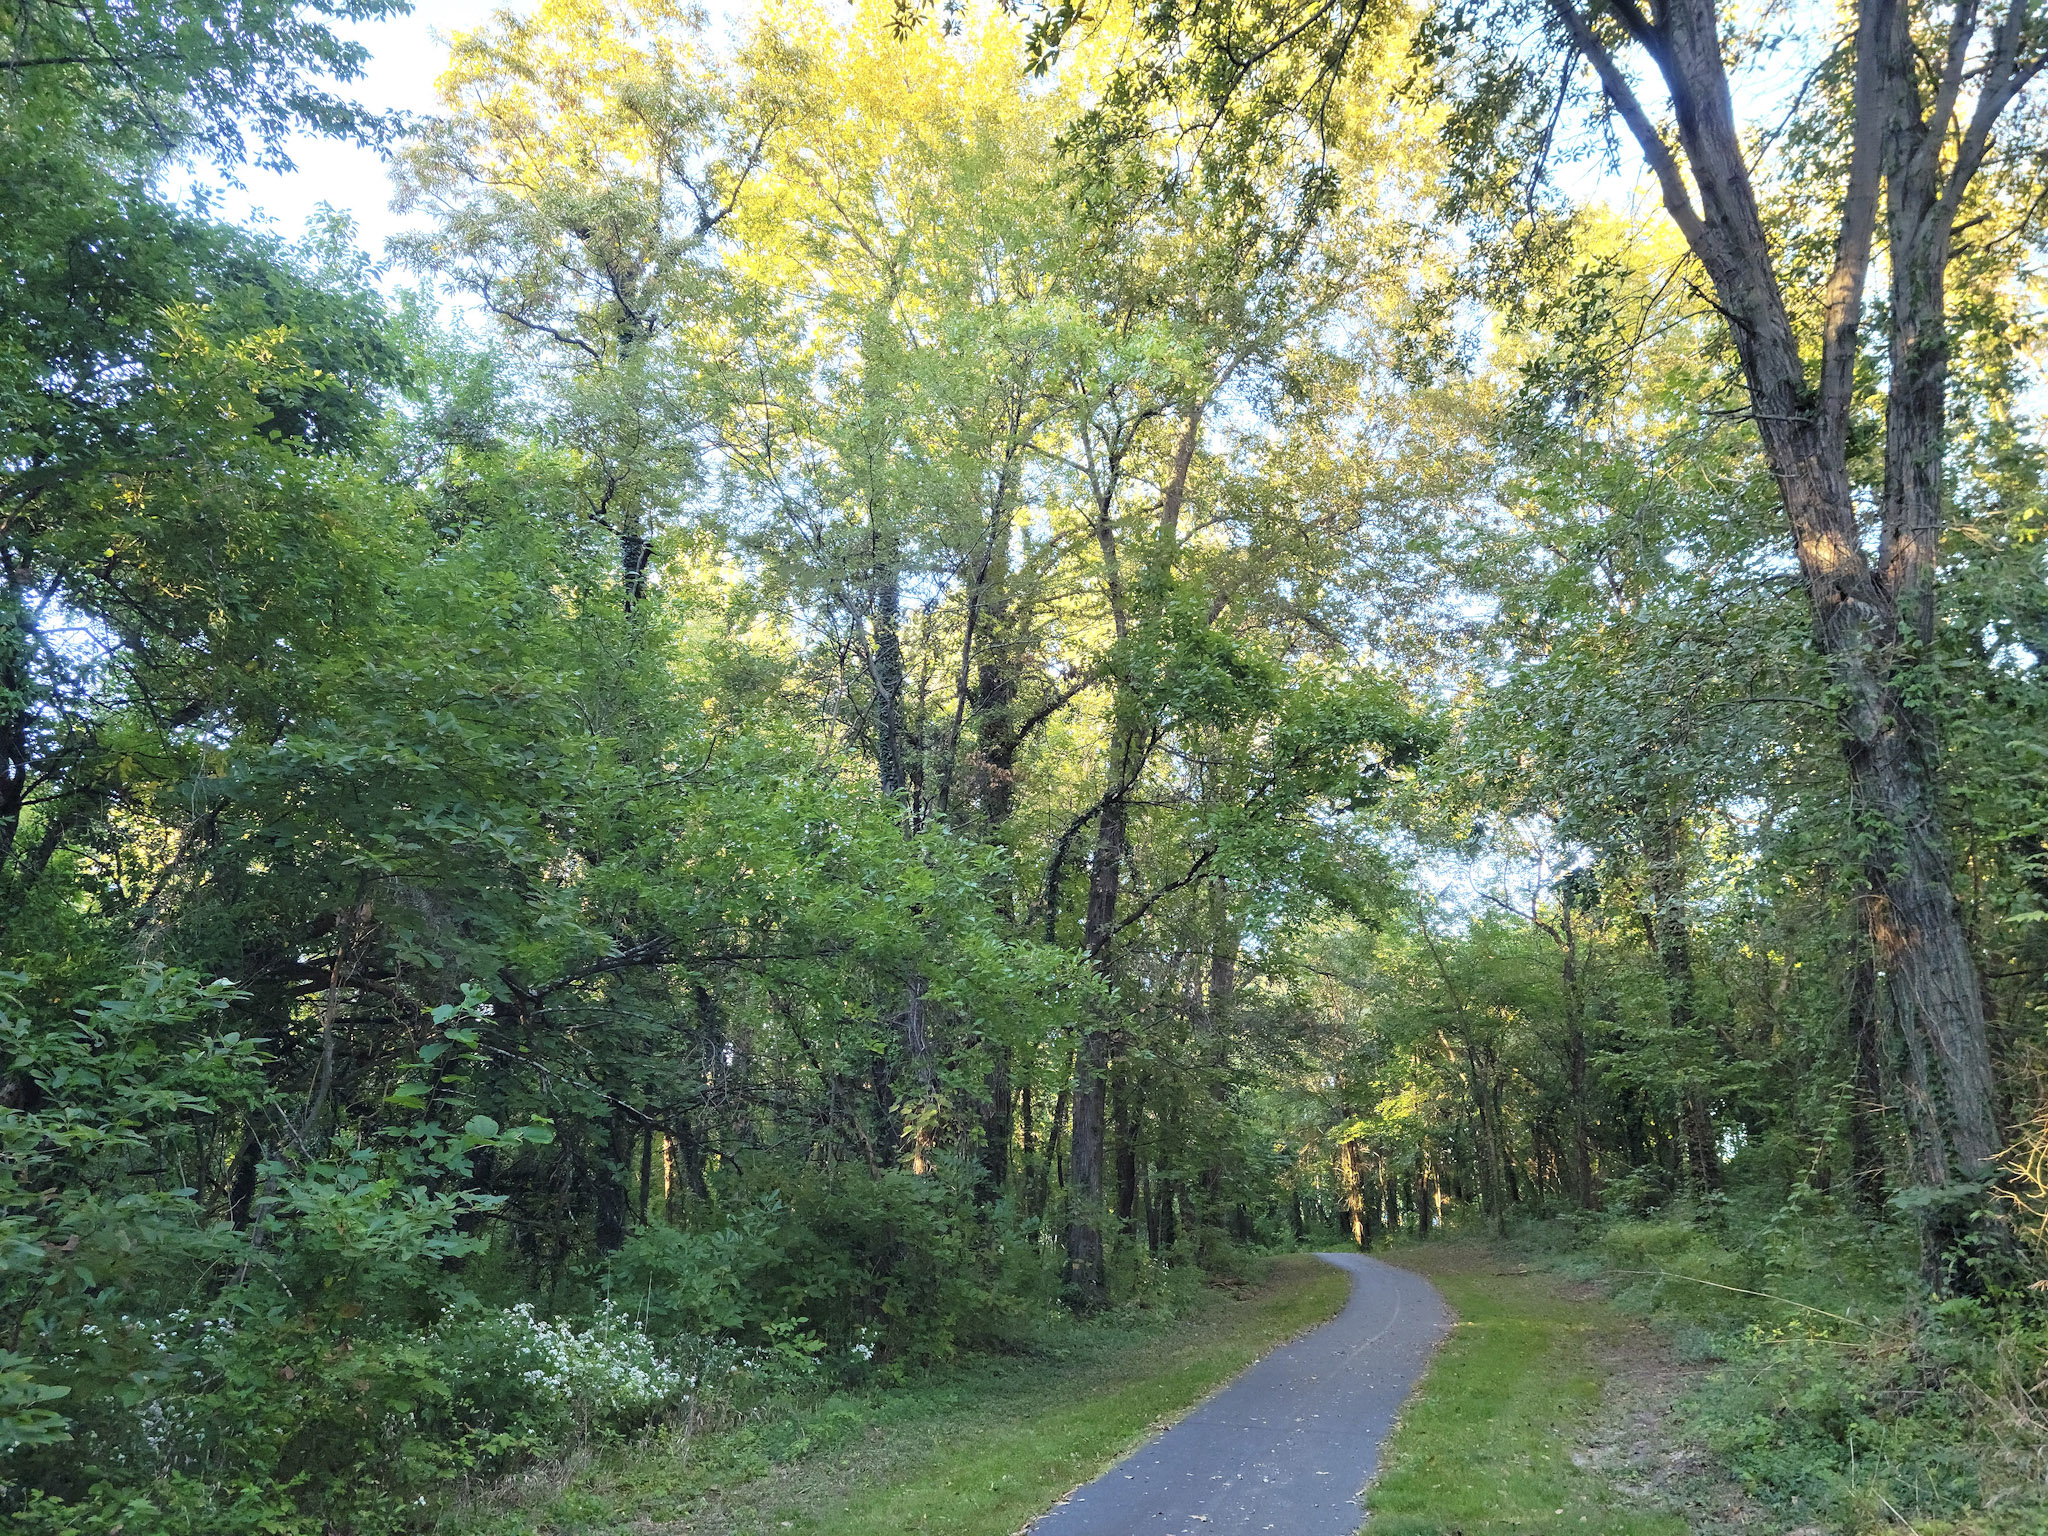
(934, 581)
(1834, 1395)
(976, 1447)
(183, 76)
(879, 1271)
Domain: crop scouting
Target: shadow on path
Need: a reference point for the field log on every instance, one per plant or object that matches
(1290, 1444)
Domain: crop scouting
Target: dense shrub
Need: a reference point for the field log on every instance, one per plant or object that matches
(883, 1268)
(323, 1363)
(1838, 1391)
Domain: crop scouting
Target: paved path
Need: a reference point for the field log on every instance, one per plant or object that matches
(1289, 1445)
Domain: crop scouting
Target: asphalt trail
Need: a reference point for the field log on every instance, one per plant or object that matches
(1288, 1446)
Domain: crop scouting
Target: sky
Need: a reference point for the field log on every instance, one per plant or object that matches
(406, 55)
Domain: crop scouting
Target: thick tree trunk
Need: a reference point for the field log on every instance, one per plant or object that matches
(614, 1205)
(1359, 1195)
(1923, 152)
(1930, 977)
(689, 1151)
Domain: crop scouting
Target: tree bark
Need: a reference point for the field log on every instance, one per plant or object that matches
(886, 670)
(1355, 1195)
(1084, 1195)
(15, 719)
(1925, 153)
(1664, 860)
(1577, 1073)
(998, 1125)
(1085, 1275)
(614, 1205)
(1128, 749)
(1866, 1148)
(1124, 1095)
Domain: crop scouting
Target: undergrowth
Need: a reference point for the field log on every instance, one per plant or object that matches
(1835, 1388)
(973, 1447)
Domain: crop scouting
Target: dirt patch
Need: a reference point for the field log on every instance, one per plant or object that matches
(1641, 1445)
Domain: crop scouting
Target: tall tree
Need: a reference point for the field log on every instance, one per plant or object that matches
(1918, 96)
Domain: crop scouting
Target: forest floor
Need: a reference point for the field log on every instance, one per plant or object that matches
(1549, 1410)
(976, 1450)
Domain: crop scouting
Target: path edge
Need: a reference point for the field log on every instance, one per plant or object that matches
(1159, 1427)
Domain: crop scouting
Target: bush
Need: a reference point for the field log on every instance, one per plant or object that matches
(174, 1372)
(1844, 1390)
(882, 1269)
(516, 1379)
(324, 1366)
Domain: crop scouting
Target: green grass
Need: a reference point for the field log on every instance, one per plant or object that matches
(1485, 1446)
(975, 1451)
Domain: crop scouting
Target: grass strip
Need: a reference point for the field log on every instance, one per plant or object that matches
(1485, 1445)
(975, 1451)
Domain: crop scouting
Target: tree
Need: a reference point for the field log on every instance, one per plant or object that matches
(1925, 98)
(167, 386)
(1917, 96)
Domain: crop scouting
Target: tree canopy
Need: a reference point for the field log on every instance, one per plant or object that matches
(1014, 650)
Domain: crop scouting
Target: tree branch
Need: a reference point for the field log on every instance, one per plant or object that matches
(1622, 97)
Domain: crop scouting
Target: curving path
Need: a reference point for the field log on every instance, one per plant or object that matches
(1289, 1445)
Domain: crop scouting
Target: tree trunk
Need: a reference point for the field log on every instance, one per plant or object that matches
(1576, 1067)
(1356, 1196)
(997, 677)
(1125, 1095)
(690, 1153)
(1062, 1105)
(1214, 1018)
(17, 717)
(646, 1169)
(886, 672)
(1866, 1147)
(998, 1125)
(1509, 1162)
(1493, 1175)
(1863, 618)
(1084, 1186)
(614, 1205)
(1105, 884)
(1664, 861)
